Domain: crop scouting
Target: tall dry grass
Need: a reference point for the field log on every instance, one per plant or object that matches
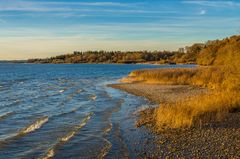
(196, 111)
(211, 77)
(224, 95)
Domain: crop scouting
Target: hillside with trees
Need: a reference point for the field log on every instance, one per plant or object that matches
(211, 52)
(220, 52)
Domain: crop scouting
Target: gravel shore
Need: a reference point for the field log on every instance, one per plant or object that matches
(160, 93)
(215, 140)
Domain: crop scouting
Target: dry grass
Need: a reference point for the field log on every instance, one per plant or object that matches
(195, 111)
(211, 77)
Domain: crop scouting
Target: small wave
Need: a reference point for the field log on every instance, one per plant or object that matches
(71, 96)
(14, 103)
(79, 91)
(105, 150)
(5, 115)
(34, 126)
(142, 108)
(30, 152)
(61, 91)
(93, 97)
(69, 112)
(51, 152)
(68, 136)
(76, 129)
(17, 101)
(107, 129)
(84, 122)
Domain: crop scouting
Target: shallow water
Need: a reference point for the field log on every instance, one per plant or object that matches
(66, 111)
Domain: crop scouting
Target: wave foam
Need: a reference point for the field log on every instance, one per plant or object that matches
(49, 154)
(61, 91)
(105, 150)
(34, 126)
(3, 116)
(93, 97)
(76, 129)
(107, 129)
(64, 139)
(79, 91)
(84, 122)
(68, 136)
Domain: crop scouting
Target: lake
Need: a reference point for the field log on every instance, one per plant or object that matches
(67, 111)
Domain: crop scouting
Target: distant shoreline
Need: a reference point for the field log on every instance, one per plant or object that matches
(25, 62)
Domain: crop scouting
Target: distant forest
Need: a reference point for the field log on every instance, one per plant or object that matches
(200, 53)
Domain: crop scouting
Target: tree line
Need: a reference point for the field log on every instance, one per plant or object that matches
(200, 53)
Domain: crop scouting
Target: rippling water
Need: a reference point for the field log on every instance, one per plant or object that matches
(66, 111)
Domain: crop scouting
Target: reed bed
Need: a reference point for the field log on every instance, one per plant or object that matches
(223, 98)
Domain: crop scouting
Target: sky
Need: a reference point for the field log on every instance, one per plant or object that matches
(44, 28)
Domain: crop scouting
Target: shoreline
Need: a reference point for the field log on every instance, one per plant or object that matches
(160, 93)
(220, 139)
(157, 64)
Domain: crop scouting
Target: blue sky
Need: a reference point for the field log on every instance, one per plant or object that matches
(42, 28)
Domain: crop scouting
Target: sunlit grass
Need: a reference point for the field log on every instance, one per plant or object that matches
(211, 77)
(196, 110)
(223, 95)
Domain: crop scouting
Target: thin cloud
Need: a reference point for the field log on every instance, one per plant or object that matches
(56, 6)
(72, 12)
(126, 30)
(118, 4)
(202, 12)
(217, 4)
(77, 9)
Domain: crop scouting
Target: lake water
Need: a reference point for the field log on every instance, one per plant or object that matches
(67, 111)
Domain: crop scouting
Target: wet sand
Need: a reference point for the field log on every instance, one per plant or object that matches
(215, 140)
